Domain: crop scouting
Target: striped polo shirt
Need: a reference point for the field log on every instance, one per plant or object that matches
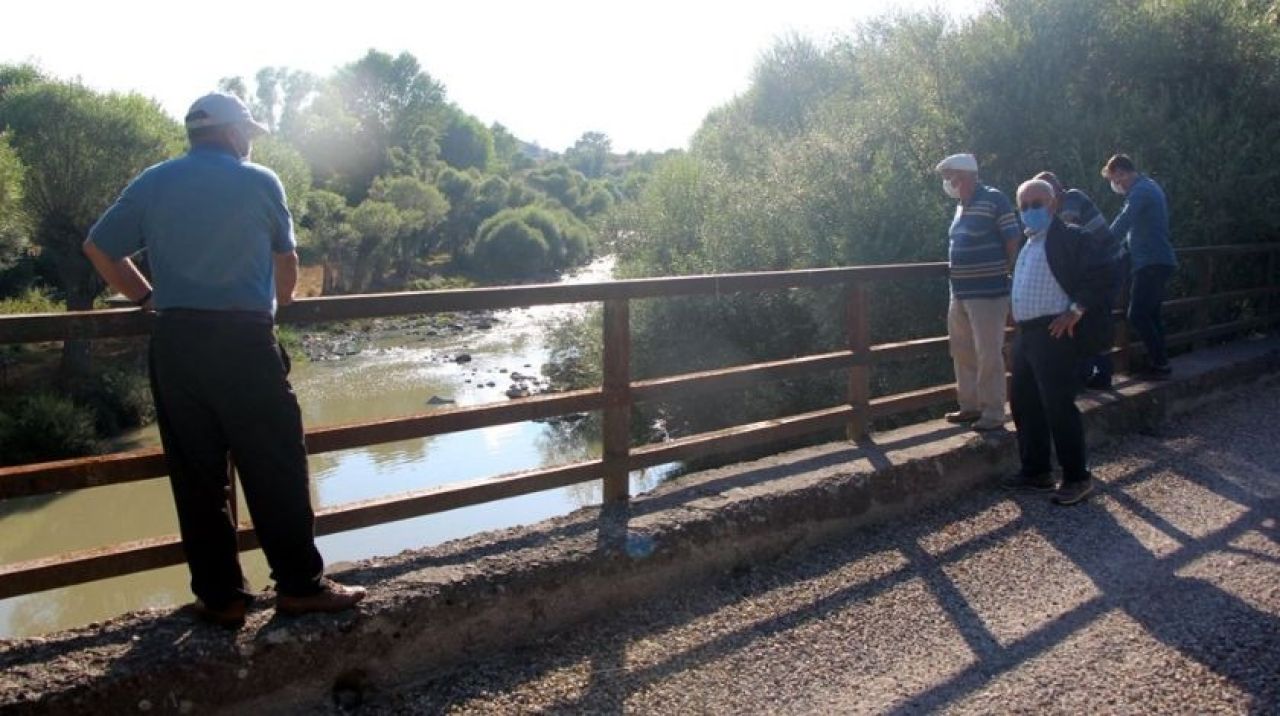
(979, 264)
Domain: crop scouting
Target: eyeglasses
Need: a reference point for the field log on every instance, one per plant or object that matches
(1037, 204)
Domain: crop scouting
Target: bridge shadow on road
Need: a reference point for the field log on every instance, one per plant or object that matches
(1017, 585)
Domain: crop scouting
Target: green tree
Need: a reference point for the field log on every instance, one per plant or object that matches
(459, 188)
(13, 220)
(375, 224)
(508, 151)
(15, 76)
(465, 143)
(80, 148)
(827, 159)
(368, 108)
(422, 209)
(590, 154)
(512, 249)
(324, 218)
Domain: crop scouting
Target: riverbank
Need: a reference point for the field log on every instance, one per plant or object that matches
(400, 370)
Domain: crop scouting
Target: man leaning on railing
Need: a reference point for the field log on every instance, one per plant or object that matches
(220, 245)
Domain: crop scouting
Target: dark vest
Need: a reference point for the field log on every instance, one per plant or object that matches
(1072, 256)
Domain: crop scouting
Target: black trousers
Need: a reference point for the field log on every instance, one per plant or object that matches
(220, 387)
(1145, 298)
(1046, 379)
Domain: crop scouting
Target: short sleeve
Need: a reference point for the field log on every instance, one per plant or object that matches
(283, 240)
(1006, 220)
(119, 232)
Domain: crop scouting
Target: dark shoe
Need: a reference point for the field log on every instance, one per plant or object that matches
(1043, 482)
(1098, 382)
(332, 597)
(1156, 372)
(230, 616)
(1072, 493)
(962, 416)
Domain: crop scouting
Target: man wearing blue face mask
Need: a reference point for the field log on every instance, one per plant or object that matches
(1143, 225)
(1059, 300)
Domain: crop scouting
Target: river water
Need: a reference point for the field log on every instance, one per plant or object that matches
(387, 379)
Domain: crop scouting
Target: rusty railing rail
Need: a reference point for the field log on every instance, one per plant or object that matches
(614, 398)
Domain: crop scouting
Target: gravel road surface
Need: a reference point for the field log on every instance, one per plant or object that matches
(1161, 594)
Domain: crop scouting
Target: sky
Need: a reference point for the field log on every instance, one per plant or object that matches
(643, 72)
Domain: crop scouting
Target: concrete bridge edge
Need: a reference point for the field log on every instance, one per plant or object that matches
(432, 609)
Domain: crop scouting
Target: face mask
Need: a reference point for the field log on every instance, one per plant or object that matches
(1036, 221)
(950, 189)
(1115, 186)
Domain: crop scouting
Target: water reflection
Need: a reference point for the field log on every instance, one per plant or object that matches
(387, 381)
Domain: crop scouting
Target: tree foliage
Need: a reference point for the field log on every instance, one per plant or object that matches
(13, 218)
(827, 159)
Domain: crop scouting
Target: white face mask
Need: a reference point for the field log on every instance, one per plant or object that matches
(1117, 188)
(950, 189)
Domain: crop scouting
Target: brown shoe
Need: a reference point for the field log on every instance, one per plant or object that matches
(230, 616)
(962, 416)
(332, 597)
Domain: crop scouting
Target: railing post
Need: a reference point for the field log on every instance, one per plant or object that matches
(1203, 291)
(858, 330)
(231, 492)
(617, 395)
(1273, 299)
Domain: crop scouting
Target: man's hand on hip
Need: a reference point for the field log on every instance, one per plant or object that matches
(1065, 324)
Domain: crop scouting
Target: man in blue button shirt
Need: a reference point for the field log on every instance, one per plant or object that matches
(1143, 226)
(219, 242)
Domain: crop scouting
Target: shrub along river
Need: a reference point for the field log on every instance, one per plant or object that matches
(395, 368)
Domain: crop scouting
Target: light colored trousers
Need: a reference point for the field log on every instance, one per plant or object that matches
(976, 328)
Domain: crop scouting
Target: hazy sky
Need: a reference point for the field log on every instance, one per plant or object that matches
(645, 72)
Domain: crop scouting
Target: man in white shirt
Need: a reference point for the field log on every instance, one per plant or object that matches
(1055, 286)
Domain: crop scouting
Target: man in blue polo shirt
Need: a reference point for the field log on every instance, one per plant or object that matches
(984, 240)
(219, 241)
(1143, 225)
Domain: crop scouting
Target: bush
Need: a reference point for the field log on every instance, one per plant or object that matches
(33, 300)
(440, 283)
(44, 426)
(512, 249)
(118, 399)
(568, 240)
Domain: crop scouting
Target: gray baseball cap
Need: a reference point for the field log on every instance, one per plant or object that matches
(219, 108)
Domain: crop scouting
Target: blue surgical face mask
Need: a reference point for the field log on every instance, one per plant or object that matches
(1036, 220)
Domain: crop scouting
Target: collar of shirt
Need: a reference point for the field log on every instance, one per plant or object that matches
(979, 189)
(213, 149)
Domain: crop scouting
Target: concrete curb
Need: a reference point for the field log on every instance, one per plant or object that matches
(433, 608)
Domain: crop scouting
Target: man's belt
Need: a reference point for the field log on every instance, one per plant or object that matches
(1037, 322)
(196, 314)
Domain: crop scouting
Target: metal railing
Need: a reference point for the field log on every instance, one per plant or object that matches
(614, 398)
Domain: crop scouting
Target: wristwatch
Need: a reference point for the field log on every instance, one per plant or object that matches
(1076, 309)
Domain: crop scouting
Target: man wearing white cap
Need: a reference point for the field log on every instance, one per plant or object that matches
(219, 241)
(984, 239)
